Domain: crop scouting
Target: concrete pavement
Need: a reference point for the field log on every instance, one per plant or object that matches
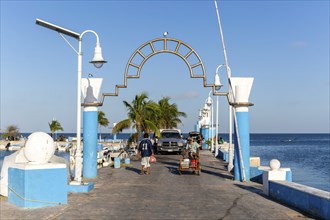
(124, 194)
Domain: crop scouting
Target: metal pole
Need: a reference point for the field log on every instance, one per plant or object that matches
(216, 128)
(229, 75)
(79, 155)
(231, 149)
(209, 116)
(78, 165)
(221, 35)
(211, 122)
(212, 132)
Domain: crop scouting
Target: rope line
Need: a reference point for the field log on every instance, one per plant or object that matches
(31, 200)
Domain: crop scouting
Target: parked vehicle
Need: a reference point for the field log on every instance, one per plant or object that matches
(196, 136)
(170, 140)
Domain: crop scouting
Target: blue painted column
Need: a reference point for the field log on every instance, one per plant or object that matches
(205, 133)
(196, 127)
(244, 136)
(90, 124)
(241, 87)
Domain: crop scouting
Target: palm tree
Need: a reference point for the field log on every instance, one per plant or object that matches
(139, 113)
(54, 126)
(169, 114)
(11, 132)
(102, 121)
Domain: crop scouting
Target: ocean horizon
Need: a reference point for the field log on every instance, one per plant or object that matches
(126, 135)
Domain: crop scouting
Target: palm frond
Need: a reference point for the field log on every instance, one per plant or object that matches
(124, 124)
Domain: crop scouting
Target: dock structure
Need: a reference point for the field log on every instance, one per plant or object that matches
(165, 194)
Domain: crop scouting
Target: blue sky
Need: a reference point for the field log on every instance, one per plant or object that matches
(284, 45)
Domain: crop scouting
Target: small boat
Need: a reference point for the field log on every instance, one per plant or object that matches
(15, 147)
(63, 146)
(288, 140)
(103, 157)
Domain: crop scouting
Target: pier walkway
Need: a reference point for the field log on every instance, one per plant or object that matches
(124, 194)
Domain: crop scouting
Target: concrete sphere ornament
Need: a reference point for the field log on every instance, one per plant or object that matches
(39, 148)
(274, 164)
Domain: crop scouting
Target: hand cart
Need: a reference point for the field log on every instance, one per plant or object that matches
(190, 164)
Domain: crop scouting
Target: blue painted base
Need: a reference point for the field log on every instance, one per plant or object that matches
(36, 186)
(205, 133)
(244, 155)
(85, 188)
(313, 201)
(90, 143)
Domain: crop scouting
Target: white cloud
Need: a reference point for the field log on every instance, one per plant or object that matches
(186, 95)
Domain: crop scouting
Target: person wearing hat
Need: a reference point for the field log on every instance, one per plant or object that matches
(192, 147)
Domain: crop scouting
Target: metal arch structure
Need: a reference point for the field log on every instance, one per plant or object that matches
(150, 47)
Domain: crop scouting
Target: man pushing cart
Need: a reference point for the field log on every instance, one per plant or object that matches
(190, 158)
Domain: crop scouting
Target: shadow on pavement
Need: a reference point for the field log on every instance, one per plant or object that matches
(216, 168)
(251, 189)
(225, 176)
(173, 170)
(133, 169)
(169, 163)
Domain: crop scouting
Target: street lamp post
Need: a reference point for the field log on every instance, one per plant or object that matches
(238, 101)
(209, 102)
(98, 62)
(218, 85)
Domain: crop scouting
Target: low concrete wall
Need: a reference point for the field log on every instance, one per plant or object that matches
(256, 173)
(223, 154)
(308, 199)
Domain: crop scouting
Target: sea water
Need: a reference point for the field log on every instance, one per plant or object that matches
(308, 155)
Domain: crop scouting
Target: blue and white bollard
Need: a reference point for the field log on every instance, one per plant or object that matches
(90, 142)
(241, 89)
(90, 89)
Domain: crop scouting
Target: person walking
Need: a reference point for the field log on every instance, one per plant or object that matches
(154, 145)
(145, 151)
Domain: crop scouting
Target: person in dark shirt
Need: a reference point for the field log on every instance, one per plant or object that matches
(154, 146)
(145, 151)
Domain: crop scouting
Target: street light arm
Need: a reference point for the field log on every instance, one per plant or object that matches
(221, 65)
(90, 31)
(210, 93)
(98, 59)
